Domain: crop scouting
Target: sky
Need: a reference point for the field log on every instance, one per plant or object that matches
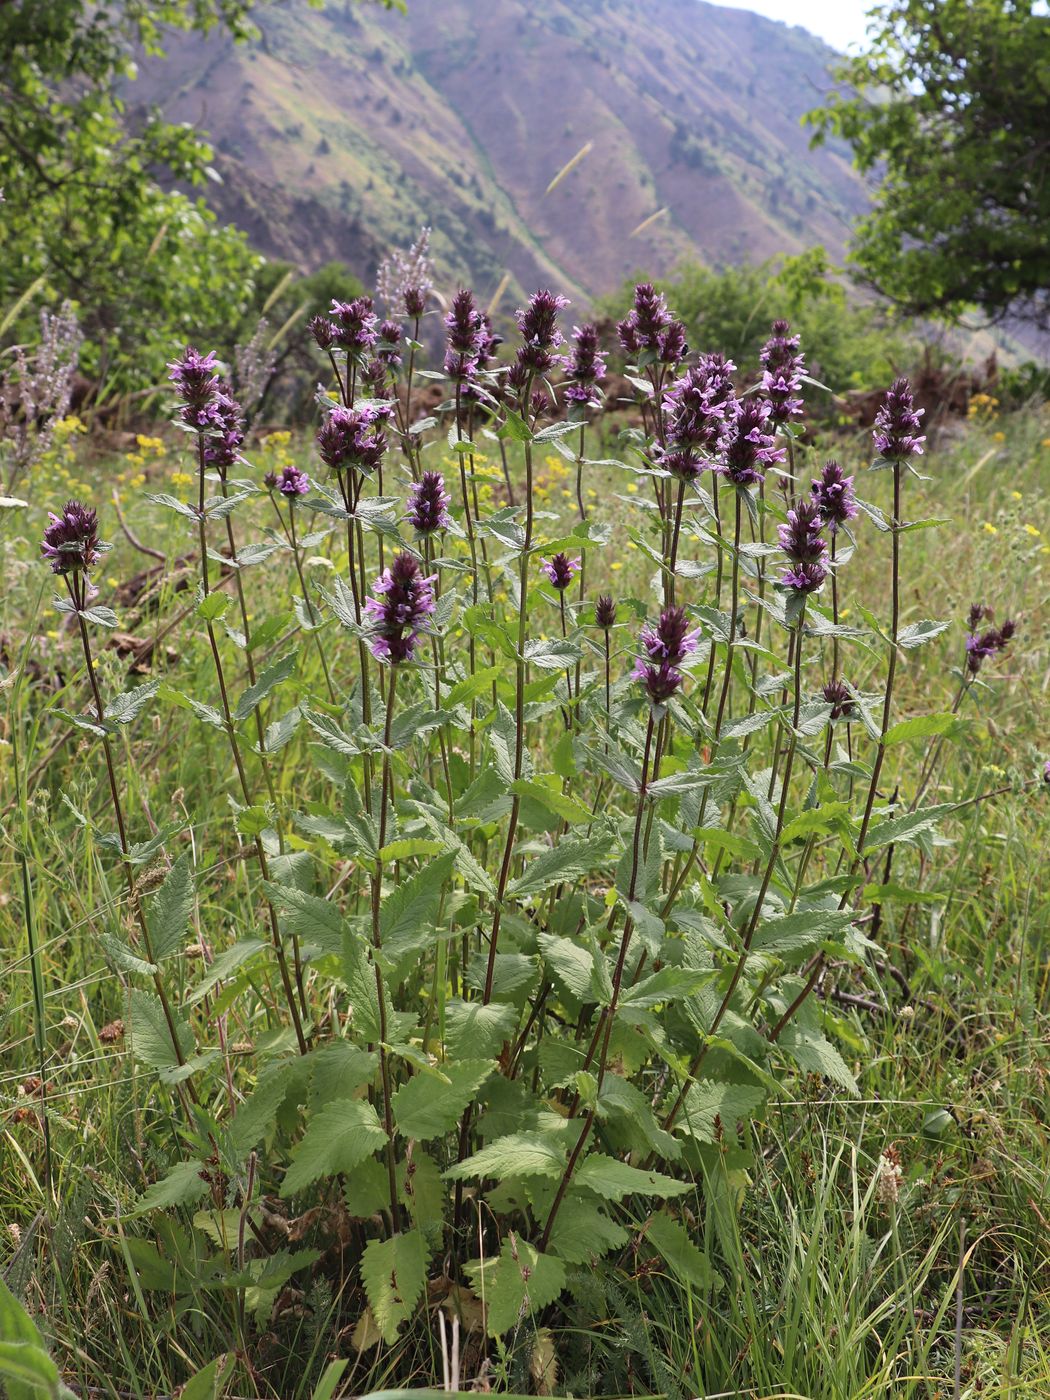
(838, 22)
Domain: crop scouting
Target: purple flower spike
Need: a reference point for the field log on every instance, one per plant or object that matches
(540, 336)
(843, 706)
(71, 544)
(585, 367)
(665, 647)
(323, 332)
(697, 411)
(660, 681)
(670, 640)
(354, 323)
(560, 570)
(605, 612)
(291, 481)
(750, 448)
(197, 383)
(833, 495)
(782, 370)
(897, 424)
(466, 337)
(400, 609)
(1046, 771)
(388, 346)
(649, 326)
(428, 505)
(982, 645)
(353, 438)
(802, 540)
(226, 434)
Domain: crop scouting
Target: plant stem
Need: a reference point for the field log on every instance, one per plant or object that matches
(77, 596)
(605, 1022)
(231, 735)
(293, 541)
(880, 753)
(774, 855)
(377, 944)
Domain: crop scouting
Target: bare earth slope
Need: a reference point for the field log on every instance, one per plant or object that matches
(346, 128)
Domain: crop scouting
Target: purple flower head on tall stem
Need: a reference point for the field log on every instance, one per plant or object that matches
(836, 693)
(375, 380)
(540, 336)
(605, 612)
(982, 645)
(290, 481)
(405, 279)
(355, 325)
(697, 409)
(660, 679)
(802, 540)
(561, 570)
(400, 609)
(979, 612)
(670, 639)
(226, 434)
(1046, 771)
(466, 337)
(897, 424)
(353, 438)
(196, 380)
(323, 332)
(750, 446)
(647, 319)
(782, 369)
(833, 496)
(585, 367)
(428, 504)
(71, 544)
(672, 346)
(388, 345)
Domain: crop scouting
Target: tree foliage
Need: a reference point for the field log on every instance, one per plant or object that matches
(952, 102)
(84, 215)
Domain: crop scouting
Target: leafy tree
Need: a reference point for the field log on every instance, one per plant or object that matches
(952, 103)
(84, 217)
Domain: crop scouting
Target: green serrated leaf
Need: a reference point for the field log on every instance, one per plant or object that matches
(394, 1273)
(522, 1283)
(613, 1180)
(169, 911)
(336, 1140)
(432, 1102)
(516, 1154)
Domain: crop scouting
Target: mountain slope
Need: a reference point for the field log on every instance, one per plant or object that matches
(344, 129)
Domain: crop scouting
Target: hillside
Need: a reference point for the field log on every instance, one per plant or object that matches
(344, 129)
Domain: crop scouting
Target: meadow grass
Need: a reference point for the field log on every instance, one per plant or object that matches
(836, 1275)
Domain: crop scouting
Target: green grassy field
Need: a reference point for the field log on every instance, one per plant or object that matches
(892, 1243)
